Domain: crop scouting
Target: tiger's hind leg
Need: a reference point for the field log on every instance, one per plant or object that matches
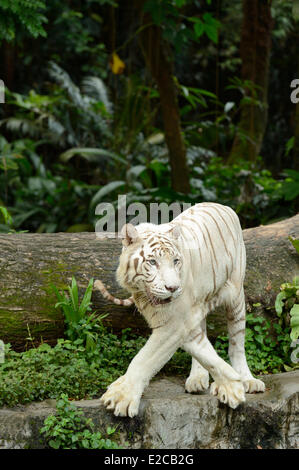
(198, 380)
(236, 323)
(228, 386)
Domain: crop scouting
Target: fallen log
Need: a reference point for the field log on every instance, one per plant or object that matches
(31, 263)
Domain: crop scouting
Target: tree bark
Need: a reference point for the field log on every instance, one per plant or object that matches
(31, 263)
(9, 61)
(159, 60)
(296, 139)
(255, 51)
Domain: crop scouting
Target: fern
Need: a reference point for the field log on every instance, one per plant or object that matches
(72, 117)
(95, 87)
(93, 90)
(64, 80)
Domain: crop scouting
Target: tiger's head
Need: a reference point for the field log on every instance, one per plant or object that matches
(151, 263)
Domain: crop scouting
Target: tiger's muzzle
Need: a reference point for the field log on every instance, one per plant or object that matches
(164, 299)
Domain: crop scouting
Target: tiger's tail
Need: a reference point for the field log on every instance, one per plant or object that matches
(106, 294)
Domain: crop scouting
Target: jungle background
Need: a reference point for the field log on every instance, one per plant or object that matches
(161, 100)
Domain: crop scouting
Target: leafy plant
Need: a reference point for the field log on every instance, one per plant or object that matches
(18, 13)
(169, 14)
(290, 186)
(267, 348)
(69, 429)
(250, 190)
(5, 220)
(69, 116)
(287, 306)
(295, 243)
(195, 97)
(80, 324)
(46, 372)
(10, 154)
(37, 198)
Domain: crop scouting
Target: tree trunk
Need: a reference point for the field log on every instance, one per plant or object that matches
(30, 263)
(296, 139)
(159, 60)
(255, 54)
(9, 61)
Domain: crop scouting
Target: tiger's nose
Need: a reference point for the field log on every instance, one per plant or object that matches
(172, 288)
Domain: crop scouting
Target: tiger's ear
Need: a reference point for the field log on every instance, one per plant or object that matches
(129, 234)
(176, 232)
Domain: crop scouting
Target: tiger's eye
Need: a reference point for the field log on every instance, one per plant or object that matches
(152, 262)
(176, 261)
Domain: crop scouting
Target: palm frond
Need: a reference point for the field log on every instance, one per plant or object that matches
(22, 125)
(91, 154)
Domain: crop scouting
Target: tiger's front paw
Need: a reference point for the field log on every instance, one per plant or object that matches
(232, 393)
(122, 397)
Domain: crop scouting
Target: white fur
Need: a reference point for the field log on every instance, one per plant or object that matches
(197, 263)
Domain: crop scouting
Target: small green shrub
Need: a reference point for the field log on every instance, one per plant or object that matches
(80, 324)
(287, 307)
(287, 302)
(69, 429)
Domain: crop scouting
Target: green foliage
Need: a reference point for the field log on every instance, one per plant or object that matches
(195, 97)
(282, 15)
(44, 200)
(290, 186)
(268, 348)
(105, 132)
(46, 372)
(287, 305)
(72, 369)
(9, 154)
(178, 28)
(26, 14)
(295, 243)
(68, 116)
(289, 145)
(80, 324)
(207, 25)
(5, 220)
(100, 138)
(217, 127)
(5, 215)
(37, 198)
(74, 312)
(69, 429)
(250, 190)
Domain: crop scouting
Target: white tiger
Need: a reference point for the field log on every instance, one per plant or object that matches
(177, 273)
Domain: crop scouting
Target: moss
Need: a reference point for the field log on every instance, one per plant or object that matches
(9, 322)
(14, 329)
(20, 309)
